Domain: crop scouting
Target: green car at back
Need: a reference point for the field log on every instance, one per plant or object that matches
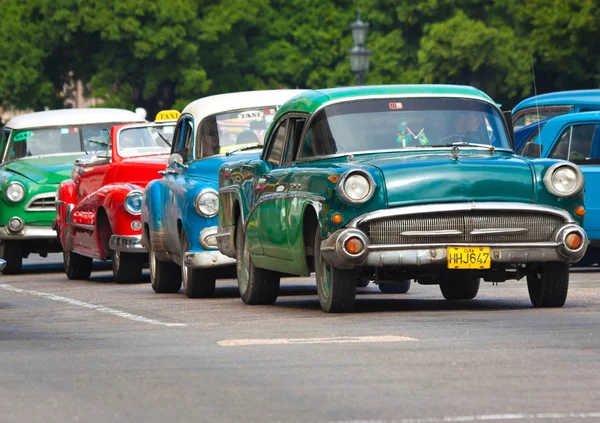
(37, 152)
(397, 183)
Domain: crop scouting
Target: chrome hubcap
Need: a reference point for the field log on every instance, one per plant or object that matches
(152, 264)
(184, 273)
(244, 268)
(117, 259)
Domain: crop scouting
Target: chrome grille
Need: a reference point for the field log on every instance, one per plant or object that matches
(42, 202)
(463, 227)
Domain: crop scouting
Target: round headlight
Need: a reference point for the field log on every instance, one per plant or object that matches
(356, 187)
(207, 203)
(14, 192)
(133, 202)
(564, 180)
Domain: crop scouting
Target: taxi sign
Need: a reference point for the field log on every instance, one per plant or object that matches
(165, 115)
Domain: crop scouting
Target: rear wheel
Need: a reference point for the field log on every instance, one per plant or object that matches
(165, 276)
(12, 254)
(257, 286)
(127, 267)
(457, 287)
(77, 266)
(197, 283)
(549, 285)
(336, 287)
(401, 287)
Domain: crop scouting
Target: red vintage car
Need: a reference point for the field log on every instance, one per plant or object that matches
(98, 209)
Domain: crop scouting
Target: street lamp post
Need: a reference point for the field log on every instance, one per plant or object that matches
(359, 54)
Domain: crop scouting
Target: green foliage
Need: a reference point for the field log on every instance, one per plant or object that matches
(166, 54)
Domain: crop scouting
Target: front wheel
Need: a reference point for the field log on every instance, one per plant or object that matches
(336, 287)
(549, 285)
(77, 266)
(12, 254)
(127, 267)
(395, 287)
(197, 283)
(165, 276)
(457, 287)
(257, 286)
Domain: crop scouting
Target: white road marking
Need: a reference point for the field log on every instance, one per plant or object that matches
(96, 307)
(486, 417)
(337, 340)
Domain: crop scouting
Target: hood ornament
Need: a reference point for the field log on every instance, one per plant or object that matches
(454, 153)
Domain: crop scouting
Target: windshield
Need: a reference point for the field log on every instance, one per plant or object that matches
(229, 131)
(63, 140)
(541, 114)
(373, 125)
(147, 140)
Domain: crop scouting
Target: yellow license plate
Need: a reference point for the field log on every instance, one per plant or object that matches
(469, 258)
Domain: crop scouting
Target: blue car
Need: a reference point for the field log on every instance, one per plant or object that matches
(179, 211)
(527, 134)
(555, 104)
(576, 138)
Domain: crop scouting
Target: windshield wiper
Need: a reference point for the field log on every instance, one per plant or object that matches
(456, 144)
(247, 147)
(163, 138)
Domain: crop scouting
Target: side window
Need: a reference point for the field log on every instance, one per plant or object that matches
(296, 127)
(183, 138)
(277, 144)
(3, 142)
(578, 144)
(319, 139)
(208, 137)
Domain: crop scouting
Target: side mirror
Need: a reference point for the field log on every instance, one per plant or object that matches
(176, 161)
(532, 150)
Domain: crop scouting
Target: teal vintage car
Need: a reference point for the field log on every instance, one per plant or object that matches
(396, 183)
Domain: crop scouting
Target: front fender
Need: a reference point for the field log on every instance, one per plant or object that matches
(66, 198)
(193, 223)
(114, 205)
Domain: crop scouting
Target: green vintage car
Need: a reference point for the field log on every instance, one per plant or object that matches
(397, 183)
(37, 151)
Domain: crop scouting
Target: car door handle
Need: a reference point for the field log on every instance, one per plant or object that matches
(167, 172)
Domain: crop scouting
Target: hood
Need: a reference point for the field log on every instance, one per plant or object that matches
(44, 170)
(434, 177)
(140, 170)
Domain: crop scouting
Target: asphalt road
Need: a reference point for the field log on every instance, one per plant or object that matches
(97, 351)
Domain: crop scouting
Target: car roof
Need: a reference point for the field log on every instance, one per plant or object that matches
(560, 98)
(310, 101)
(64, 117)
(222, 103)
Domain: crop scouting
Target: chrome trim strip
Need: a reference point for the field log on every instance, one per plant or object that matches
(457, 207)
(127, 243)
(84, 226)
(458, 244)
(499, 231)
(207, 232)
(431, 233)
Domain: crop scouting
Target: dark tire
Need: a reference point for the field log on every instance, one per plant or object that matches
(457, 287)
(165, 276)
(257, 286)
(336, 287)
(395, 287)
(12, 254)
(77, 267)
(127, 267)
(197, 283)
(548, 287)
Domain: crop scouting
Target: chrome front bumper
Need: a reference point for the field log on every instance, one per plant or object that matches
(127, 244)
(409, 255)
(28, 232)
(207, 259)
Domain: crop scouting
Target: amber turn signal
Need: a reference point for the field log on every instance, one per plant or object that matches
(333, 178)
(580, 211)
(573, 240)
(336, 218)
(354, 245)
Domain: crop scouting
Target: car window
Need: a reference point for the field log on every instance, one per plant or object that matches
(4, 141)
(532, 115)
(578, 144)
(146, 140)
(183, 138)
(296, 127)
(277, 144)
